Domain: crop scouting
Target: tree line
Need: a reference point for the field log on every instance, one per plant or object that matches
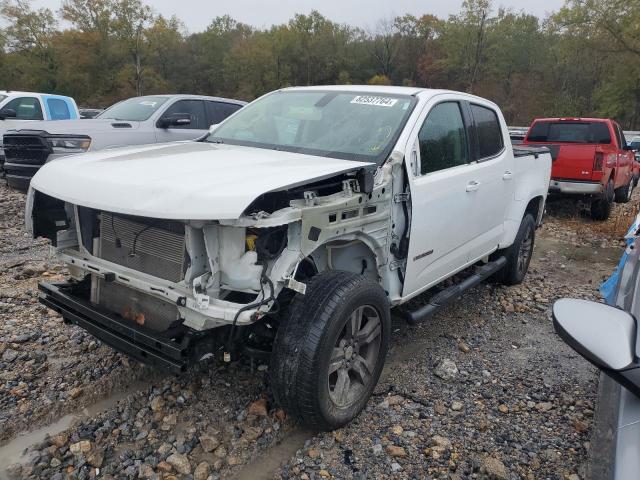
(583, 60)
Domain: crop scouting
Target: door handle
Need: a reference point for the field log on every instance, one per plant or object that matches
(507, 175)
(472, 186)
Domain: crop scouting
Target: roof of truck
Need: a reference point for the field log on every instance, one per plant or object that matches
(390, 90)
(187, 96)
(572, 119)
(373, 89)
(16, 92)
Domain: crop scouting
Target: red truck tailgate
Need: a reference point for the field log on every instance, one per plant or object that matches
(574, 162)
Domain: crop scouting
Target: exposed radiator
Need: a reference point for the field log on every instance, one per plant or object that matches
(158, 251)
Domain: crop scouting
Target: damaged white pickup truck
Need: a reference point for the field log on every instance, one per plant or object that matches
(290, 231)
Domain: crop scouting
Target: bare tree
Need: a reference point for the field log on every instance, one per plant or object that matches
(385, 45)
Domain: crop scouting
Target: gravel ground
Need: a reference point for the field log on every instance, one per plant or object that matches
(484, 389)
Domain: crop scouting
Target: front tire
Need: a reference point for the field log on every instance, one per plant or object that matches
(328, 356)
(519, 253)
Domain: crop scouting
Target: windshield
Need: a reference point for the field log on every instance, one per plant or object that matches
(570, 132)
(134, 109)
(345, 125)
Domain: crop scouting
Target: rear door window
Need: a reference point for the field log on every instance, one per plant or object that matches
(570, 132)
(218, 111)
(26, 108)
(490, 141)
(58, 109)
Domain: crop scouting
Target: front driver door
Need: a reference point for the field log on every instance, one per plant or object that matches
(443, 190)
(197, 127)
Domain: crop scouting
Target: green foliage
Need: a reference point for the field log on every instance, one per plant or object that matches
(582, 60)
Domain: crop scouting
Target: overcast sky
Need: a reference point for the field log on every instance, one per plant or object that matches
(197, 14)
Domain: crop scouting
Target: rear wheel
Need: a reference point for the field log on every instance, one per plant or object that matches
(328, 356)
(623, 194)
(601, 206)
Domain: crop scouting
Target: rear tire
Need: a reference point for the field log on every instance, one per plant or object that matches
(601, 207)
(623, 194)
(328, 356)
(518, 254)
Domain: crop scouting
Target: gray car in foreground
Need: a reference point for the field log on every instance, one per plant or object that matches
(607, 336)
(136, 121)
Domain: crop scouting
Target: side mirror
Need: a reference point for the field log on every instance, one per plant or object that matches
(175, 120)
(604, 335)
(7, 113)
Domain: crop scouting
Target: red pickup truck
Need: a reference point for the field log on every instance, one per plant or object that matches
(591, 159)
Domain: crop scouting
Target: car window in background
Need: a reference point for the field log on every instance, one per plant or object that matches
(570, 132)
(2, 97)
(218, 111)
(490, 141)
(621, 138)
(26, 108)
(338, 124)
(442, 139)
(58, 109)
(136, 109)
(193, 108)
(635, 144)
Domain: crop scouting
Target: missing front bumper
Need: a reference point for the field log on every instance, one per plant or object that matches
(174, 350)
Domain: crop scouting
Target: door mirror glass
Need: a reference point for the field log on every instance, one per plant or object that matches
(604, 335)
(7, 113)
(175, 120)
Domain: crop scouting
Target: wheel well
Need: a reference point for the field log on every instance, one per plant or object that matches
(534, 208)
(350, 256)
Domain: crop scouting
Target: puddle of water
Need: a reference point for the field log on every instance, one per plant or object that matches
(265, 466)
(12, 452)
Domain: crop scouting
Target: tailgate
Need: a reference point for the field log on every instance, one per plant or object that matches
(575, 162)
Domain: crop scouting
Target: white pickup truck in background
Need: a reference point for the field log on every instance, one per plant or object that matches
(19, 107)
(135, 121)
(290, 231)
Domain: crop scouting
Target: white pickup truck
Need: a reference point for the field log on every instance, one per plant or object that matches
(16, 108)
(290, 231)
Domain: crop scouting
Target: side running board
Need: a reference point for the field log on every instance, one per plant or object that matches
(454, 291)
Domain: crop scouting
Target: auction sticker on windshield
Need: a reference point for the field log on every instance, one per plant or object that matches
(377, 101)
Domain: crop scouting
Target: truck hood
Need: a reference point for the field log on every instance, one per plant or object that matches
(187, 180)
(76, 127)
(12, 124)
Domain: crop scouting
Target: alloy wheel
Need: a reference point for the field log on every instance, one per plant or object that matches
(525, 251)
(354, 356)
